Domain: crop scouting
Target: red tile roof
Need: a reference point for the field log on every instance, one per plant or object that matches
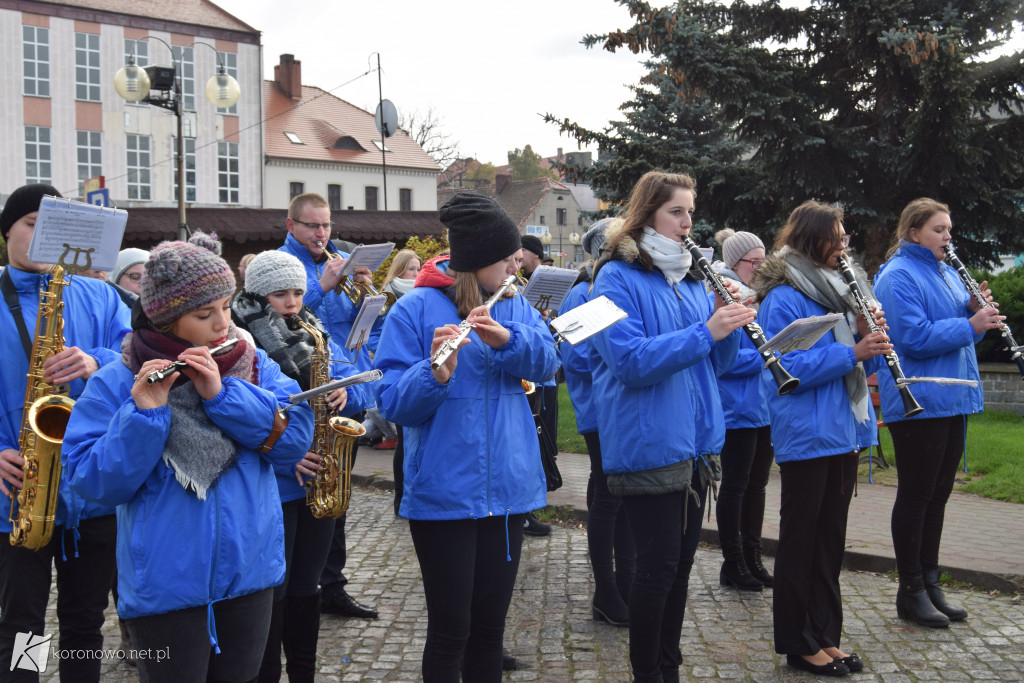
(320, 119)
(520, 198)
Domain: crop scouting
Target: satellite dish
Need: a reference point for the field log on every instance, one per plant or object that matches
(386, 118)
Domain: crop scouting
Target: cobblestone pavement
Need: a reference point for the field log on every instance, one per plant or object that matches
(727, 635)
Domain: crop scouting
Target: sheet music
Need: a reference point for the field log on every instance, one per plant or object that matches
(548, 287)
(587, 320)
(365, 319)
(368, 255)
(802, 334)
(95, 232)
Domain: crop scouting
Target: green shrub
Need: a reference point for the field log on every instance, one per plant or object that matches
(1007, 289)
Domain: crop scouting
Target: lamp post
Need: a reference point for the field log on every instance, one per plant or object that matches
(546, 238)
(136, 84)
(574, 239)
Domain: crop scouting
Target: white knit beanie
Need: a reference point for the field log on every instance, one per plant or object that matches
(273, 271)
(126, 258)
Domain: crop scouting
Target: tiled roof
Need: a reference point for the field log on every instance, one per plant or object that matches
(320, 119)
(244, 225)
(520, 198)
(195, 12)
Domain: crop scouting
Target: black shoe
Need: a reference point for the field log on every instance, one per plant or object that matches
(913, 603)
(757, 568)
(833, 668)
(608, 606)
(734, 574)
(534, 527)
(931, 585)
(340, 602)
(852, 663)
(508, 661)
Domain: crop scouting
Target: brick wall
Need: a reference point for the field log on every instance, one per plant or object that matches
(1003, 387)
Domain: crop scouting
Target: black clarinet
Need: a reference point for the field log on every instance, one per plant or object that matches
(910, 405)
(786, 381)
(975, 291)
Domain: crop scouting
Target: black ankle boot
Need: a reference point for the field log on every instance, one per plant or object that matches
(736, 575)
(912, 603)
(754, 565)
(931, 586)
(608, 605)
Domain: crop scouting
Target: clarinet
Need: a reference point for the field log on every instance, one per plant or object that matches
(783, 379)
(465, 327)
(975, 291)
(910, 406)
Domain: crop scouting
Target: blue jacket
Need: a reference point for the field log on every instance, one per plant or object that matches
(926, 309)
(655, 371)
(95, 321)
(471, 446)
(743, 392)
(816, 419)
(576, 364)
(175, 551)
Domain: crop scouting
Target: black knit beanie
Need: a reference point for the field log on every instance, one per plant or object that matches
(22, 202)
(480, 232)
(533, 243)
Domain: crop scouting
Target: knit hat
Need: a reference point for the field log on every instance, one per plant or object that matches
(183, 276)
(22, 202)
(735, 245)
(593, 238)
(273, 271)
(126, 258)
(479, 231)
(533, 243)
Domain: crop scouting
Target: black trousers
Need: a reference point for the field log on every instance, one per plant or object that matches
(332, 576)
(609, 540)
(85, 571)
(747, 459)
(927, 454)
(666, 529)
(469, 571)
(808, 606)
(306, 543)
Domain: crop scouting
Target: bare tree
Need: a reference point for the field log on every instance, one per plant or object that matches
(427, 130)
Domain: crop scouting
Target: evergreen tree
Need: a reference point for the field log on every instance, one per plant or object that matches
(868, 103)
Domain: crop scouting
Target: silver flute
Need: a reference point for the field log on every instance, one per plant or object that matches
(163, 373)
(465, 327)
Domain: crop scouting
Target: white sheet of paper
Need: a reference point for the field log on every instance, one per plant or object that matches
(801, 334)
(368, 255)
(587, 320)
(365, 319)
(548, 287)
(90, 234)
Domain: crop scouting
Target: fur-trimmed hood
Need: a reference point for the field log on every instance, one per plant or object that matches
(774, 272)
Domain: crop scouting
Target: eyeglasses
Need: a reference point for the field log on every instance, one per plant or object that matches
(134, 277)
(754, 262)
(314, 226)
(845, 240)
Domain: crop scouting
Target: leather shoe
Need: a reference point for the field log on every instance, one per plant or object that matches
(508, 661)
(534, 527)
(833, 668)
(852, 663)
(341, 603)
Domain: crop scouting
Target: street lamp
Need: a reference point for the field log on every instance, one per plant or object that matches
(574, 239)
(546, 238)
(161, 86)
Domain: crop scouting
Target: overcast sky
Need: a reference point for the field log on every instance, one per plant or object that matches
(488, 69)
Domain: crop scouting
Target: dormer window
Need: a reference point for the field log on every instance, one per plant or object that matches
(347, 142)
(381, 146)
(293, 138)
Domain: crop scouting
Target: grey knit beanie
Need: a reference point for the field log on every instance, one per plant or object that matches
(273, 271)
(181, 277)
(735, 245)
(126, 258)
(594, 238)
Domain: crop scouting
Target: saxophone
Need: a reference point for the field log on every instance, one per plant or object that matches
(44, 419)
(328, 493)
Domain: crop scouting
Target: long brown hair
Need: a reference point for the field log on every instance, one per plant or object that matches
(467, 292)
(914, 216)
(811, 230)
(399, 264)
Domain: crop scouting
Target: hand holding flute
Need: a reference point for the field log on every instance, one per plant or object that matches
(450, 338)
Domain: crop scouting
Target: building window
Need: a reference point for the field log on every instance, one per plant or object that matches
(227, 172)
(579, 219)
(190, 168)
(295, 189)
(90, 157)
(139, 163)
(37, 155)
(371, 198)
(560, 216)
(405, 199)
(139, 49)
(334, 197)
(183, 62)
(230, 62)
(36, 51)
(542, 221)
(87, 67)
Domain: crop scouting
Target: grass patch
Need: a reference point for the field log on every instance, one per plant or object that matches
(569, 440)
(556, 514)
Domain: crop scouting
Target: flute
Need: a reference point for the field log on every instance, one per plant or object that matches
(910, 405)
(163, 373)
(785, 381)
(972, 287)
(449, 347)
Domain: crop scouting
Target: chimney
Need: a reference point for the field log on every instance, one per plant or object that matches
(559, 153)
(501, 181)
(288, 76)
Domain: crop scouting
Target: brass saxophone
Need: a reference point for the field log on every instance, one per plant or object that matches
(43, 422)
(328, 493)
(357, 291)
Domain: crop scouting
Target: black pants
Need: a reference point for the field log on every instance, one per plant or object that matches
(927, 454)
(332, 576)
(469, 570)
(808, 606)
(307, 541)
(666, 529)
(747, 458)
(85, 570)
(612, 553)
(175, 647)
